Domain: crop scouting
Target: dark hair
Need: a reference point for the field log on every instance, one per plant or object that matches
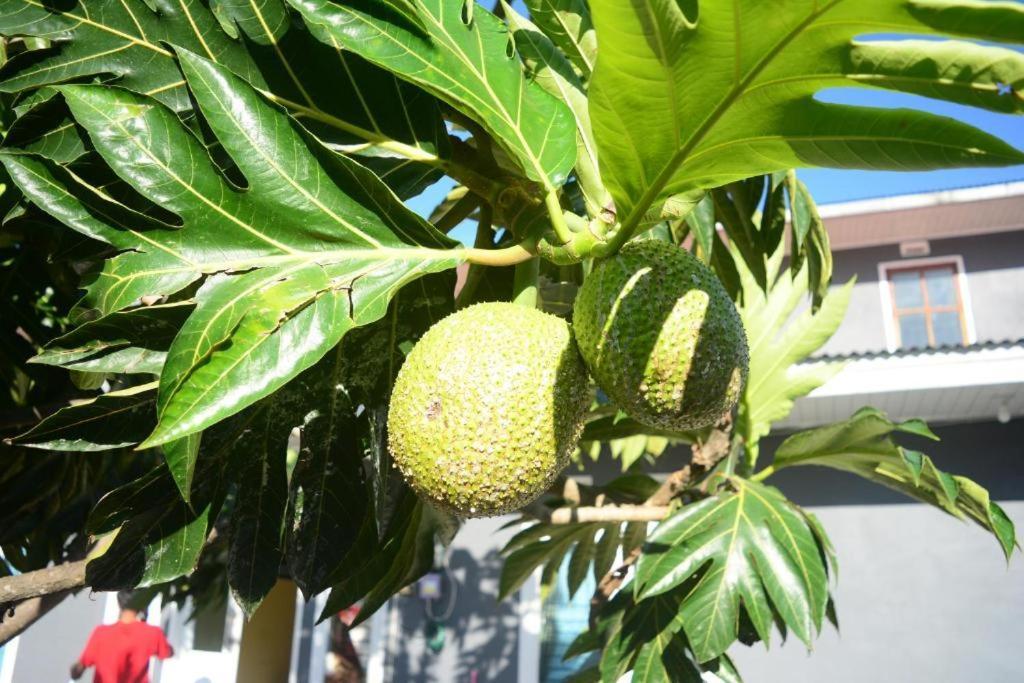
(127, 600)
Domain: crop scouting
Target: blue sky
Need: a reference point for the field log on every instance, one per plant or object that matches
(831, 185)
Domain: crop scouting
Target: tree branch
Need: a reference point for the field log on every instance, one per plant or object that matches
(704, 456)
(608, 513)
(60, 577)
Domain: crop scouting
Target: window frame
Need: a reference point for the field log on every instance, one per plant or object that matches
(887, 268)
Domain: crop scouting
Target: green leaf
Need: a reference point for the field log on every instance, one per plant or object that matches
(610, 428)
(328, 477)
(316, 246)
(160, 535)
(864, 446)
(133, 341)
(156, 488)
(648, 641)
(750, 546)
(580, 562)
(257, 520)
(702, 222)
(329, 487)
(112, 420)
(180, 456)
(548, 545)
(568, 25)
(721, 670)
(632, 487)
(549, 69)
(589, 675)
(810, 239)
(586, 641)
(114, 37)
(466, 60)
(46, 129)
(607, 548)
(342, 96)
(379, 567)
(690, 95)
(152, 548)
(776, 378)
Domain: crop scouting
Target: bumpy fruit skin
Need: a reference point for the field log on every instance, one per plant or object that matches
(661, 336)
(487, 409)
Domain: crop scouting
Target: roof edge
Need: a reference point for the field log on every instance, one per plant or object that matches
(922, 200)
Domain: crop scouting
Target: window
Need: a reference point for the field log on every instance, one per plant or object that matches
(926, 300)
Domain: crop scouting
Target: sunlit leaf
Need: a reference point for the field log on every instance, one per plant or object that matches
(690, 95)
(864, 446)
(316, 246)
(746, 547)
(467, 60)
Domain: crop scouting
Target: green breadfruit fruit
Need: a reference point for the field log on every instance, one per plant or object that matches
(661, 336)
(487, 409)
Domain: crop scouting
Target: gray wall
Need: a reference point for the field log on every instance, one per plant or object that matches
(47, 650)
(482, 634)
(995, 276)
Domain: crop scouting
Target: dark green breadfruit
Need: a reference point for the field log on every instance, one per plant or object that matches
(487, 409)
(661, 336)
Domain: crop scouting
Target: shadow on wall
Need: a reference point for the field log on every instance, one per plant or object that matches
(480, 637)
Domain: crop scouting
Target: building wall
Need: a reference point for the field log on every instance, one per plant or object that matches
(481, 638)
(995, 274)
(47, 650)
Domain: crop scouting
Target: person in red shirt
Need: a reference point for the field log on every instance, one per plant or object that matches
(121, 651)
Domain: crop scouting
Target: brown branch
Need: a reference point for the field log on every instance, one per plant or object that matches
(607, 513)
(704, 456)
(27, 597)
(60, 577)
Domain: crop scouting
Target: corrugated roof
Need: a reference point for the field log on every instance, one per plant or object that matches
(920, 351)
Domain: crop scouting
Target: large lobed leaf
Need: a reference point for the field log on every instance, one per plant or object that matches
(550, 69)
(465, 56)
(779, 342)
(132, 341)
(313, 246)
(748, 548)
(338, 93)
(568, 25)
(864, 446)
(697, 94)
(113, 420)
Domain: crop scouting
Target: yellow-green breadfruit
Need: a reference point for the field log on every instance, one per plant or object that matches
(487, 408)
(661, 336)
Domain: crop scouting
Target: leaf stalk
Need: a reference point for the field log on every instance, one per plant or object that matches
(524, 284)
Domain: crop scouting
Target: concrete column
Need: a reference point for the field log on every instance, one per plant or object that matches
(266, 648)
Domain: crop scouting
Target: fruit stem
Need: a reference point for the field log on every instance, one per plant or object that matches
(524, 284)
(556, 217)
(508, 256)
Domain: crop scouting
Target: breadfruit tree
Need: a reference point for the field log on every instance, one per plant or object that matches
(208, 255)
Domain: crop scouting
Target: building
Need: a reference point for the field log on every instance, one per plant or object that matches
(935, 329)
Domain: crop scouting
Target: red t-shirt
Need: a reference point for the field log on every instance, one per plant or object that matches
(121, 651)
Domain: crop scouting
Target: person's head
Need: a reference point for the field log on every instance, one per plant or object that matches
(128, 601)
